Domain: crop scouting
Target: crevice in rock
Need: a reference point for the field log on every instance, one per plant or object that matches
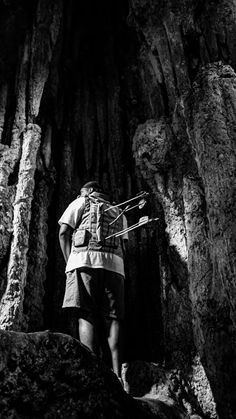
(9, 115)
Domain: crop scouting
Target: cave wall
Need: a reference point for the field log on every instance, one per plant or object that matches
(187, 157)
(138, 96)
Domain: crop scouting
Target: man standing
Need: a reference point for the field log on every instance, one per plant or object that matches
(95, 268)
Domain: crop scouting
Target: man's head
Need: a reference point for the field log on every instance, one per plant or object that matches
(89, 187)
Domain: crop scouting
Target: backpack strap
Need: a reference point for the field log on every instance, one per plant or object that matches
(86, 203)
(100, 206)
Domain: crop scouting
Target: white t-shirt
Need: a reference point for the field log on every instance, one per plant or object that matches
(90, 258)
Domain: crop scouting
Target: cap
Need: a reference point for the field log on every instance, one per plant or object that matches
(92, 184)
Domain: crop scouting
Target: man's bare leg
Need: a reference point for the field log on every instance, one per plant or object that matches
(87, 334)
(115, 345)
(72, 323)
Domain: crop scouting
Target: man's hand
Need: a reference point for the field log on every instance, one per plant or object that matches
(65, 233)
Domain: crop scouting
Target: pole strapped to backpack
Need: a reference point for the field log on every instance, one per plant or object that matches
(142, 221)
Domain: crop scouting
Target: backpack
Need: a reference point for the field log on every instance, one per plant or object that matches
(100, 220)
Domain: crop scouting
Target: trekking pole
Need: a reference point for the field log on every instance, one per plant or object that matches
(142, 221)
(140, 205)
(120, 214)
(138, 196)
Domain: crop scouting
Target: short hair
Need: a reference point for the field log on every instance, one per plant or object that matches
(92, 184)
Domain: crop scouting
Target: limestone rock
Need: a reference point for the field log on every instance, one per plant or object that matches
(160, 386)
(209, 112)
(49, 375)
(197, 193)
(12, 301)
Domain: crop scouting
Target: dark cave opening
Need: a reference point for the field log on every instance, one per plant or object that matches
(99, 92)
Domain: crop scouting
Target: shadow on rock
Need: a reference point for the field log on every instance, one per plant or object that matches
(51, 375)
(162, 392)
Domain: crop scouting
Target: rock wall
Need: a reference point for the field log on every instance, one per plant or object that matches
(187, 155)
(214, 145)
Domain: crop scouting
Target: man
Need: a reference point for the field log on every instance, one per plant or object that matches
(95, 268)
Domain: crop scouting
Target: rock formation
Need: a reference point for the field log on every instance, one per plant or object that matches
(139, 95)
(52, 375)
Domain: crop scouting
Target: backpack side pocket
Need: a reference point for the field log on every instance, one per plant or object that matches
(80, 238)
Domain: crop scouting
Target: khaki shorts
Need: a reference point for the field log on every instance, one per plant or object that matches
(95, 291)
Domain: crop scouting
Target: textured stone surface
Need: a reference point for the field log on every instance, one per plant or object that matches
(48, 375)
(198, 203)
(211, 121)
(154, 147)
(149, 381)
(12, 301)
(44, 37)
(21, 143)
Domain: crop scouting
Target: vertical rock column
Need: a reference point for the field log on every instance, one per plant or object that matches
(210, 114)
(19, 158)
(166, 163)
(12, 302)
(200, 274)
(154, 152)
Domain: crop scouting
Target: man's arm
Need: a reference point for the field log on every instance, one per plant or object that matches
(65, 233)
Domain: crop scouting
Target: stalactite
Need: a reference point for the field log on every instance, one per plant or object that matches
(12, 301)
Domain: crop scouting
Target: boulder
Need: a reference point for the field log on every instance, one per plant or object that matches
(51, 375)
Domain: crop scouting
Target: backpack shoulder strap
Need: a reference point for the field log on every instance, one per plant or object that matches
(86, 203)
